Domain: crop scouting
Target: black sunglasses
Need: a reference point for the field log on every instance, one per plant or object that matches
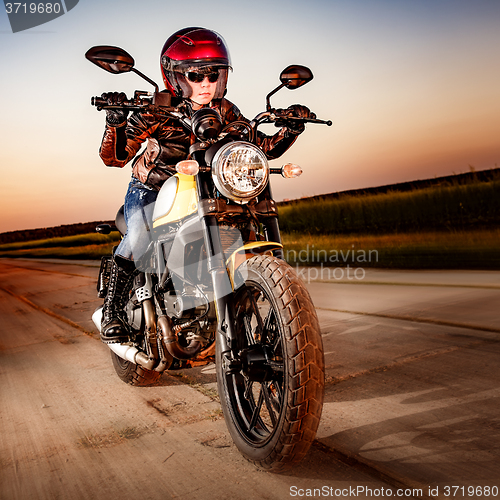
(199, 77)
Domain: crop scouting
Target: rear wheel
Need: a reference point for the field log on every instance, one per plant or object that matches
(272, 406)
(133, 374)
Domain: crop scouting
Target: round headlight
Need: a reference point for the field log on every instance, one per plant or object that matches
(240, 171)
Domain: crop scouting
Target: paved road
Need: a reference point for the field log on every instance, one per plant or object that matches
(412, 396)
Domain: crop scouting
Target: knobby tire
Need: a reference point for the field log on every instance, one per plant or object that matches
(273, 423)
(133, 374)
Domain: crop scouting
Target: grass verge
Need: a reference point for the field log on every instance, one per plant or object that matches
(471, 249)
(91, 246)
(447, 207)
(475, 249)
(85, 252)
(81, 240)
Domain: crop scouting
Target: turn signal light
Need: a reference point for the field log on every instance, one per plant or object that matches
(187, 167)
(290, 170)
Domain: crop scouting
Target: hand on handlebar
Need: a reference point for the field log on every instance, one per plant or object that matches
(115, 117)
(294, 125)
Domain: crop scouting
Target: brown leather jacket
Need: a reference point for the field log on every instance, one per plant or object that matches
(168, 143)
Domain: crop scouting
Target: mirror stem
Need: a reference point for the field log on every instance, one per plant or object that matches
(268, 97)
(142, 75)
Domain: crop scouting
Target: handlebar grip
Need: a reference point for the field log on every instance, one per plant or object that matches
(101, 103)
(316, 120)
(308, 120)
(98, 101)
(127, 104)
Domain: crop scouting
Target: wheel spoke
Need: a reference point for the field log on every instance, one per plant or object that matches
(276, 344)
(256, 411)
(257, 334)
(247, 321)
(279, 395)
(265, 393)
(269, 404)
(259, 405)
(248, 389)
(267, 325)
(277, 366)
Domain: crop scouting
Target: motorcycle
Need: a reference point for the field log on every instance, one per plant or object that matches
(214, 286)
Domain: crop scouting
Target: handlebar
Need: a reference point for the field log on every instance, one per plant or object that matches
(309, 120)
(130, 104)
(155, 104)
(274, 115)
(138, 103)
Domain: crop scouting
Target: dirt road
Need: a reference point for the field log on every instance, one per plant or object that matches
(412, 397)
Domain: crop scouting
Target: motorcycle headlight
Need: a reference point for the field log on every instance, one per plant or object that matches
(240, 171)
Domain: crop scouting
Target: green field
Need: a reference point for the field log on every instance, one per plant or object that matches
(84, 246)
(451, 206)
(474, 249)
(454, 225)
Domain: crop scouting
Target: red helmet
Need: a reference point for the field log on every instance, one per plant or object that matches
(197, 49)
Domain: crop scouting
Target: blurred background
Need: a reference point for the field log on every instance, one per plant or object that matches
(412, 88)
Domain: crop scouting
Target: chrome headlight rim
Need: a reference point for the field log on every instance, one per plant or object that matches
(224, 185)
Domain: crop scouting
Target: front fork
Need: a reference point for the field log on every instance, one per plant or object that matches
(272, 231)
(223, 292)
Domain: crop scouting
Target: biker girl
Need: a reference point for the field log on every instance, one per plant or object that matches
(194, 63)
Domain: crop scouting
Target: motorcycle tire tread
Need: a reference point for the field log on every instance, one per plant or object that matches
(307, 381)
(133, 374)
(306, 359)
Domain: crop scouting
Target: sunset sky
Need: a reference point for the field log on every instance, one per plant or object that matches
(412, 88)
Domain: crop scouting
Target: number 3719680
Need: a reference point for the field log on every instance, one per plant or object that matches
(470, 491)
(33, 8)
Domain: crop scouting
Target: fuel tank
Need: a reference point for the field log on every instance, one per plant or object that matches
(176, 200)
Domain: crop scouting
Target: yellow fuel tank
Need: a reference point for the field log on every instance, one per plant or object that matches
(176, 200)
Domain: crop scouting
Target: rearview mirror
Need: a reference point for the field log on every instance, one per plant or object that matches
(292, 77)
(295, 76)
(112, 59)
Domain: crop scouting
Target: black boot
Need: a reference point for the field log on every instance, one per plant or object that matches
(114, 321)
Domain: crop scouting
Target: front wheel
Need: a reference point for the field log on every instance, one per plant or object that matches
(272, 406)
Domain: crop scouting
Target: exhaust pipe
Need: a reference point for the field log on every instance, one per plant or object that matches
(124, 351)
(172, 343)
(132, 354)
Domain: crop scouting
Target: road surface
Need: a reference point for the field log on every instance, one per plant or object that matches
(411, 409)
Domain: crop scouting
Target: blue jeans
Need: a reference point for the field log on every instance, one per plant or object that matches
(138, 207)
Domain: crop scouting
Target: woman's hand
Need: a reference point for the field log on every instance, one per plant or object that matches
(115, 117)
(298, 111)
